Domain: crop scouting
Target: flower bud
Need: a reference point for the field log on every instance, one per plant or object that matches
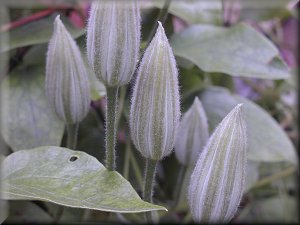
(113, 40)
(155, 108)
(67, 85)
(217, 182)
(192, 134)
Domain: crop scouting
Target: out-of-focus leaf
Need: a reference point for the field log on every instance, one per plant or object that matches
(252, 174)
(266, 140)
(27, 120)
(195, 11)
(27, 212)
(278, 209)
(69, 178)
(37, 32)
(237, 51)
(264, 10)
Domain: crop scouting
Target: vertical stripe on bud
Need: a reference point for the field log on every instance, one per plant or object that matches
(217, 182)
(67, 86)
(155, 109)
(113, 40)
(192, 134)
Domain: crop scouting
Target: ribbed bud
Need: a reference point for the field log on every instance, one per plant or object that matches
(192, 134)
(155, 108)
(113, 40)
(67, 85)
(217, 182)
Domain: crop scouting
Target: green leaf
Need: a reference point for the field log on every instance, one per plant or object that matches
(195, 11)
(252, 174)
(266, 140)
(37, 32)
(69, 178)
(276, 209)
(237, 51)
(27, 121)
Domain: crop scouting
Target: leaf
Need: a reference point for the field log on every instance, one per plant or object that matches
(36, 32)
(195, 11)
(237, 51)
(275, 209)
(250, 10)
(266, 140)
(69, 178)
(27, 121)
(252, 174)
(27, 212)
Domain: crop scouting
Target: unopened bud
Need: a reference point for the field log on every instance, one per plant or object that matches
(217, 182)
(192, 134)
(113, 40)
(67, 85)
(155, 109)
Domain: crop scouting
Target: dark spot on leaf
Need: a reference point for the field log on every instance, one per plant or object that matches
(73, 158)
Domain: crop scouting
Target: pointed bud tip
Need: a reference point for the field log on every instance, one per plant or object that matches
(239, 107)
(57, 19)
(196, 100)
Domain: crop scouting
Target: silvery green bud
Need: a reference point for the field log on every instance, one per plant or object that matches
(217, 182)
(113, 40)
(67, 85)
(192, 134)
(155, 108)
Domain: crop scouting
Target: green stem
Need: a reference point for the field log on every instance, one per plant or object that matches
(127, 160)
(267, 180)
(150, 172)
(135, 168)
(110, 132)
(162, 16)
(179, 186)
(72, 130)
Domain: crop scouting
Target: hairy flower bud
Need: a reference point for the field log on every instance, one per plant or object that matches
(217, 182)
(113, 40)
(192, 134)
(67, 85)
(155, 109)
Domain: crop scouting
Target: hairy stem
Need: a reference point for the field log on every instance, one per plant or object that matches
(72, 130)
(110, 131)
(150, 172)
(179, 186)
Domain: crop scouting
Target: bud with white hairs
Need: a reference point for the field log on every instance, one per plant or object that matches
(217, 182)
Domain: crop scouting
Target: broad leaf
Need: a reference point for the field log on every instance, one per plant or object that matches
(37, 32)
(27, 120)
(266, 140)
(69, 178)
(237, 51)
(252, 174)
(195, 11)
(278, 209)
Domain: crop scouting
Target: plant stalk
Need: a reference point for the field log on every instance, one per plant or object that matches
(162, 16)
(111, 129)
(179, 186)
(150, 172)
(72, 131)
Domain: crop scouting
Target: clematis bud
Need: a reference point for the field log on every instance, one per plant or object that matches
(217, 182)
(192, 134)
(67, 85)
(155, 108)
(113, 40)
